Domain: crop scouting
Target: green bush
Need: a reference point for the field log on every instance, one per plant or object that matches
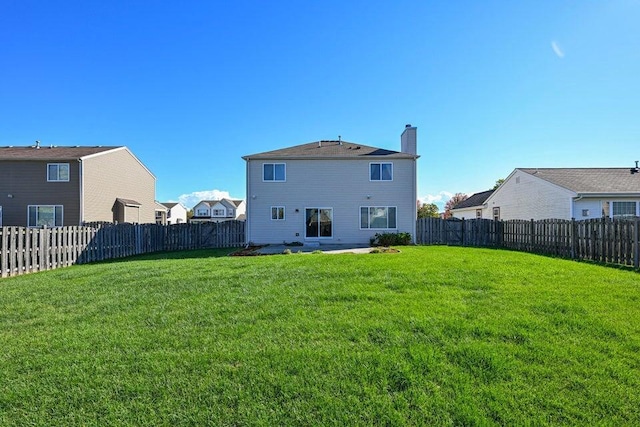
(390, 239)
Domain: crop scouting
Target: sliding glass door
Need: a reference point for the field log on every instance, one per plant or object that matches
(319, 223)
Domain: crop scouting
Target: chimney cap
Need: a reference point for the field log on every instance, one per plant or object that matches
(408, 126)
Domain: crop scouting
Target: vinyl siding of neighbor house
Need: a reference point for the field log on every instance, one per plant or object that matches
(468, 213)
(116, 174)
(593, 209)
(340, 184)
(524, 196)
(27, 182)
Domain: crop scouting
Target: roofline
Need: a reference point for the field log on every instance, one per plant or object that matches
(397, 155)
(124, 147)
(621, 194)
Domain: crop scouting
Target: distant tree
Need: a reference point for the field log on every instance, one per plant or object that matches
(498, 183)
(457, 198)
(189, 215)
(428, 210)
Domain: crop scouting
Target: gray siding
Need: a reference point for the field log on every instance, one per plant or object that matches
(116, 174)
(340, 184)
(27, 182)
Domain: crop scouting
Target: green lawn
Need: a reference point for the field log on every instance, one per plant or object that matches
(431, 335)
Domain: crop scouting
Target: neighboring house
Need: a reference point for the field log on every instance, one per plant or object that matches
(161, 214)
(176, 213)
(219, 210)
(331, 192)
(56, 186)
(565, 193)
(473, 207)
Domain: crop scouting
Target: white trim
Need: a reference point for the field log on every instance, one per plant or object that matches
(58, 165)
(380, 163)
(305, 224)
(274, 172)
(368, 219)
(283, 213)
(0, 216)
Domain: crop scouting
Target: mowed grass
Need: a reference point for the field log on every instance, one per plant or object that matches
(428, 336)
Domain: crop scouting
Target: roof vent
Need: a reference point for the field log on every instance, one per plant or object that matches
(37, 145)
(635, 170)
(339, 140)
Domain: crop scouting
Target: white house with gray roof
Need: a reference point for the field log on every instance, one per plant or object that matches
(565, 193)
(219, 210)
(473, 207)
(334, 192)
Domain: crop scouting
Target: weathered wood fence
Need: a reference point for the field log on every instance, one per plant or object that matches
(602, 240)
(27, 250)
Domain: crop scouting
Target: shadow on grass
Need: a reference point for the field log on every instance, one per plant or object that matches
(185, 254)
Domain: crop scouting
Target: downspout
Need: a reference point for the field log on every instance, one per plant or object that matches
(247, 221)
(81, 185)
(573, 205)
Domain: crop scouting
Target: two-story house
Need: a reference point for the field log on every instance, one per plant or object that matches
(219, 210)
(63, 186)
(331, 192)
(176, 213)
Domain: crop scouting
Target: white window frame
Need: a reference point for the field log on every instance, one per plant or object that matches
(218, 212)
(202, 212)
(284, 165)
(55, 220)
(57, 178)
(314, 238)
(611, 202)
(494, 216)
(276, 217)
(381, 179)
(369, 217)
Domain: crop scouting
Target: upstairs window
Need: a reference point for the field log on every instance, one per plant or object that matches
(218, 212)
(274, 172)
(381, 171)
(58, 172)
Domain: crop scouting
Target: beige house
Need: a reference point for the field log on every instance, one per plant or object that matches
(63, 186)
(331, 192)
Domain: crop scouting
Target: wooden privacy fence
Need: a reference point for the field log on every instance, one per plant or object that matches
(602, 240)
(26, 250)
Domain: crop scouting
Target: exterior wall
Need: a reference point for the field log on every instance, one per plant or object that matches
(340, 184)
(116, 174)
(530, 198)
(594, 207)
(26, 182)
(468, 213)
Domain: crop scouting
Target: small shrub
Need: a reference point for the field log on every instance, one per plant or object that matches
(375, 251)
(390, 239)
(317, 251)
(286, 252)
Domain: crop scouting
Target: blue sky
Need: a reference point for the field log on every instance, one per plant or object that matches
(190, 87)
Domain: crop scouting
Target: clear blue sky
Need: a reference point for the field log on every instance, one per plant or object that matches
(190, 87)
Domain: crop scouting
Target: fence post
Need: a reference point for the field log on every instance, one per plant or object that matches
(572, 237)
(636, 249)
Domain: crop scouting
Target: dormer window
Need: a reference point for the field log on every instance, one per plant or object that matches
(58, 172)
(274, 172)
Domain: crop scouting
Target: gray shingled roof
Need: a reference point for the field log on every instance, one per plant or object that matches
(590, 180)
(329, 149)
(49, 153)
(477, 199)
(168, 205)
